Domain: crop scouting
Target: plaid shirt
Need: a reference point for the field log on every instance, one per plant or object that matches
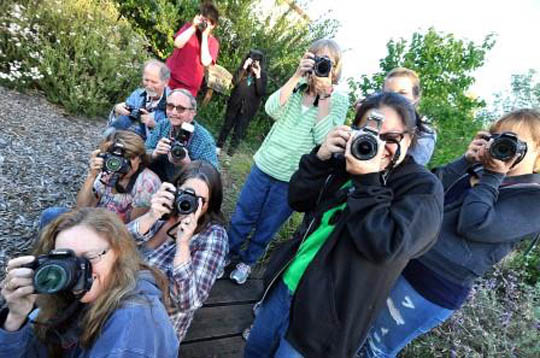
(191, 282)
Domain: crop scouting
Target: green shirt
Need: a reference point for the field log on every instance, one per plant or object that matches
(310, 247)
(295, 133)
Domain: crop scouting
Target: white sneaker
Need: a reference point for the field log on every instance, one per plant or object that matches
(241, 273)
(218, 151)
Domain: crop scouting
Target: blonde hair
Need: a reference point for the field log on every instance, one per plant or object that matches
(335, 52)
(132, 142)
(528, 119)
(405, 72)
(122, 280)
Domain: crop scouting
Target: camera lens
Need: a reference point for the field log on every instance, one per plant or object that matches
(51, 278)
(186, 203)
(113, 164)
(364, 147)
(503, 149)
(178, 152)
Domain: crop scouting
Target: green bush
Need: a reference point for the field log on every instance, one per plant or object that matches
(78, 52)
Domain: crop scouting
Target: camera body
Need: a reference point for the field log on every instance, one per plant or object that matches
(365, 143)
(506, 146)
(185, 202)
(202, 25)
(114, 160)
(322, 66)
(255, 55)
(180, 141)
(134, 113)
(61, 271)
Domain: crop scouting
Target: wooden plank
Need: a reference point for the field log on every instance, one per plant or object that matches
(219, 321)
(231, 347)
(227, 292)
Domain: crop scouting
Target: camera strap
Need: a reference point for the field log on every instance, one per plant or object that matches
(119, 188)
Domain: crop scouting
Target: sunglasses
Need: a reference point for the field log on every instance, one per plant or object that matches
(393, 137)
(179, 109)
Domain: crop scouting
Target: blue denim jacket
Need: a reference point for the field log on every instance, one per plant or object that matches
(140, 328)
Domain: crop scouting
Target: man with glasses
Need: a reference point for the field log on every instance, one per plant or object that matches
(195, 48)
(181, 109)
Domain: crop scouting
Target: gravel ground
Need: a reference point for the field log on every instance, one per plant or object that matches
(43, 161)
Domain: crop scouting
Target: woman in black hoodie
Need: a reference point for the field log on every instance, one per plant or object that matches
(249, 88)
(369, 217)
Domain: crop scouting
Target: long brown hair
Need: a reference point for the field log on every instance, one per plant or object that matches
(123, 275)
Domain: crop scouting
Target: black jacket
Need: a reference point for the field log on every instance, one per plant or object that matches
(245, 100)
(348, 281)
(483, 225)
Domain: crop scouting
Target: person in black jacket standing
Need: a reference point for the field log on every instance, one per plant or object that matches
(249, 88)
(369, 217)
(490, 205)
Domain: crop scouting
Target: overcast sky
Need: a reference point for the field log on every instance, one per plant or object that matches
(366, 27)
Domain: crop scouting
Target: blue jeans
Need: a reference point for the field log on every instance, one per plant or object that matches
(262, 205)
(50, 214)
(267, 337)
(407, 315)
(125, 123)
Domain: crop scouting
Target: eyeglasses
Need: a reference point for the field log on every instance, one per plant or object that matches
(392, 137)
(179, 109)
(96, 257)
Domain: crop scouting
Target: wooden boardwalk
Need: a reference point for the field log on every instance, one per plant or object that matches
(217, 326)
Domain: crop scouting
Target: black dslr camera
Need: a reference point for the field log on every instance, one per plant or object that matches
(185, 202)
(134, 113)
(255, 55)
(202, 25)
(180, 141)
(506, 146)
(322, 66)
(114, 160)
(61, 271)
(365, 143)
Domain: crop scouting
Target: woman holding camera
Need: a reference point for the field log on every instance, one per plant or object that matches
(190, 245)
(369, 217)
(127, 194)
(305, 109)
(120, 313)
(249, 87)
(490, 205)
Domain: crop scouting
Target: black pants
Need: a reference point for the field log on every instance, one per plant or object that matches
(240, 122)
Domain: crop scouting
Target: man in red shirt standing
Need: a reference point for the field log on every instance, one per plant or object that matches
(195, 48)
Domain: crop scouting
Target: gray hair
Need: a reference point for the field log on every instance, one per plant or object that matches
(164, 72)
(185, 92)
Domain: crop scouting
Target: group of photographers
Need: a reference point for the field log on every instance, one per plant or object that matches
(386, 251)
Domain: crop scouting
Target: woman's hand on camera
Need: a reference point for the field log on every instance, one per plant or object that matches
(248, 62)
(476, 149)
(188, 225)
(162, 201)
(96, 163)
(335, 142)
(496, 165)
(18, 289)
(256, 68)
(306, 64)
(362, 167)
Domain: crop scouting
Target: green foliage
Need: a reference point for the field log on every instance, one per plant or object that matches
(445, 65)
(524, 93)
(77, 51)
(243, 24)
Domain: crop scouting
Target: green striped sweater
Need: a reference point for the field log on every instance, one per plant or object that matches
(295, 133)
